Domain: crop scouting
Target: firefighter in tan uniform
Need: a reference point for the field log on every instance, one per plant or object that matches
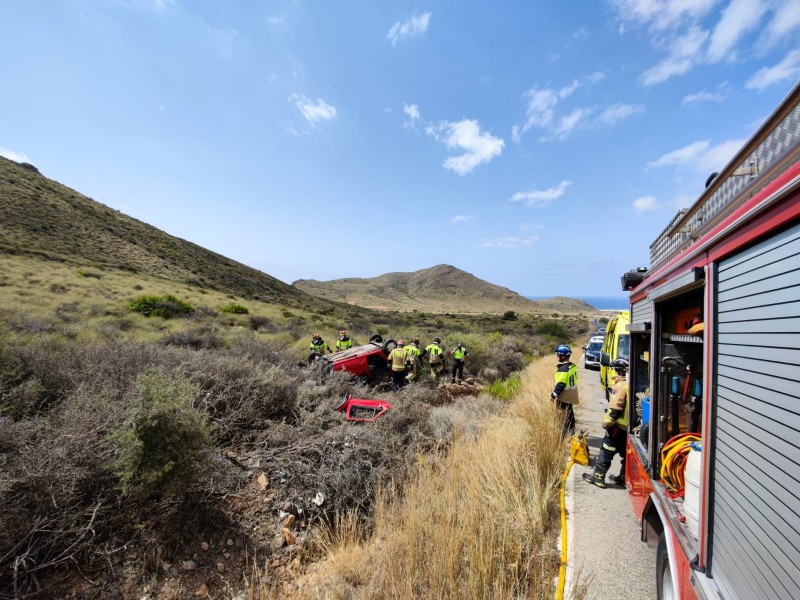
(615, 422)
(397, 360)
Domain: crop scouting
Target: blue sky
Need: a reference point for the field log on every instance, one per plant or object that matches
(538, 145)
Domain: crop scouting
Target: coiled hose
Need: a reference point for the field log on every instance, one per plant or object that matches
(673, 461)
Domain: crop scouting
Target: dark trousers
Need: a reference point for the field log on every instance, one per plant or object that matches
(398, 379)
(458, 367)
(567, 417)
(613, 443)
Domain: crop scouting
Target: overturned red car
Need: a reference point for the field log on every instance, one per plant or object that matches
(367, 362)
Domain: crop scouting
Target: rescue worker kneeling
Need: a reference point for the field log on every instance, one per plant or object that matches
(615, 422)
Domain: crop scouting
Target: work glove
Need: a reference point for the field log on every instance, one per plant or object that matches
(608, 423)
(553, 395)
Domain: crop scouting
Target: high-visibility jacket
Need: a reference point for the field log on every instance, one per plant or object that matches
(397, 359)
(319, 345)
(434, 350)
(343, 343)
(459, 353)
(617, 411)
(566, 388)
(412, 350)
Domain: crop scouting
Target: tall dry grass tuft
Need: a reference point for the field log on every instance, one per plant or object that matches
(478, 522)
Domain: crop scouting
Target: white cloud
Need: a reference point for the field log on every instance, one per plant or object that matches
(787, 69)
(785, 19)
(662, 14)
(19, 157)
(413, 27)
(645, 204)
(541, 198)
(570, 122)
(703, 96)
(681, 156)
(461, 219)
(617, 112)
(275, 20)
(313, 111)
(684, 52)
(412, 111)
(508, 242)
(739, 17)
(700, 155)
(479, 146)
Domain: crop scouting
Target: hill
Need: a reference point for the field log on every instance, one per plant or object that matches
(41, 217)
(442, 288)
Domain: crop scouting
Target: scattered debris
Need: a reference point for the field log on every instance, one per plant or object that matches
(359, 409)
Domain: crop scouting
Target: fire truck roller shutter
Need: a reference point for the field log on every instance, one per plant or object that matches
(755, 535)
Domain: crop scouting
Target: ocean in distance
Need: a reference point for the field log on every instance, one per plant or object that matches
(599, 302)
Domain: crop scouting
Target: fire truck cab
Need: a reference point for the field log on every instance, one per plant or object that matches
(713, 453)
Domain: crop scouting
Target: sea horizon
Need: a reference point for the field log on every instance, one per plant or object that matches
(598, 302)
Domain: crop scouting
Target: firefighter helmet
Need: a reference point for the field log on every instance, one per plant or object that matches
(563, 350)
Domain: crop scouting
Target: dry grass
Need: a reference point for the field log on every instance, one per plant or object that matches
(478, 522)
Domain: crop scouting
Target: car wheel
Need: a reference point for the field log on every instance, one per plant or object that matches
(664, 587)
(313, 357)
(388, 346)
(377, 339)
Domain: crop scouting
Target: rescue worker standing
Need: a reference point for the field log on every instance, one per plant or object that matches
(318, 344)
(565, 392)
(413, 354)
(397, 364)
(615, 422)
(344, 342)
(435, 357)
(459, 356)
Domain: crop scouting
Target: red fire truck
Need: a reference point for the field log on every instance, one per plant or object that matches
(715, 352)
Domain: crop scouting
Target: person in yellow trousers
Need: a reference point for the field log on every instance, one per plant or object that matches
(435, 355)
(413, 353)
(615, 422)
(397, 360)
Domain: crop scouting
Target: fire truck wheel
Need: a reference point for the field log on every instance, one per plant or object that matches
(664, 587)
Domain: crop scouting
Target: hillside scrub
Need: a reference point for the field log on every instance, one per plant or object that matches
(476, 521)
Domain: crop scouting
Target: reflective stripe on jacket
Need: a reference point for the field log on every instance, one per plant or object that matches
(413, 350)
(459, 353)
(434, 349)
(343, 343)
(319, 347)
(566, 377)
(618, 403)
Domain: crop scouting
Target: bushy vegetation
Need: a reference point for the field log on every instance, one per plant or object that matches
(235, 309)
(164, 444)
(166, 306)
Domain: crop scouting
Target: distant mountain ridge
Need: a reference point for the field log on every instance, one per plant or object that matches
(442, 288)
(41, 217)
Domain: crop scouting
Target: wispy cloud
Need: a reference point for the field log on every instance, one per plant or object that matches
(645, 204)
(739, 17)
(539, 198)
(508, 242)
(786, 70)
(542, 111)
(688, 35)
(700, 156)
(618, 112)
(158, 5)
(461, 219)
(20, 157)
(719, 96)
(479, 146)
(275, 21)
(314, 111)
(413, 27)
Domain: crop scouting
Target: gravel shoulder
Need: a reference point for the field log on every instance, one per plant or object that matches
(605, 550)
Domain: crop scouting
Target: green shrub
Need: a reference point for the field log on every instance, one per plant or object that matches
(509, 315)
(167, 306)
(164, 444)
(92, 274)
(505, 389)
(553, 329)
(235, 309)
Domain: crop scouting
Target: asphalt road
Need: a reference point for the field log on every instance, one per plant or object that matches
(605, 551)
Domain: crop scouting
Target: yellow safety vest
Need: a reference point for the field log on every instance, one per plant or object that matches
(319, 347)
(434, 349)
(343, 343)
(459, 353)
(413, 350)
(397, 359)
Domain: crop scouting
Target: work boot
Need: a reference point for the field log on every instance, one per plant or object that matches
(618, 479)
(598, 479)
